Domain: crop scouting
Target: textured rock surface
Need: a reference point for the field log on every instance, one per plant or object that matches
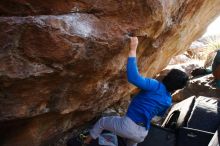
(63, 61)
(199, 86)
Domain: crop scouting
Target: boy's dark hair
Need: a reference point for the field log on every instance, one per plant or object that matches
(175, 79)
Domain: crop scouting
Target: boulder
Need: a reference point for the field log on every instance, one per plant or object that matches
(62, 62)
(198, 86)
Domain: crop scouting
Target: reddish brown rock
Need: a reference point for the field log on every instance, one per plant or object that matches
(62, 62)
(46, 7)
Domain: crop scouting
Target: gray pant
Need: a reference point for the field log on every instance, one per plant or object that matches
(121, 126)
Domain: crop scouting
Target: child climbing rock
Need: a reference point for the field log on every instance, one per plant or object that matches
(153, 99)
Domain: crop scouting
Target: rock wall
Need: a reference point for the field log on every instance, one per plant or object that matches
(204, 85)
(63, 61)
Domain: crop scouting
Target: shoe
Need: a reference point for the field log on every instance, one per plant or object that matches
(81, 138)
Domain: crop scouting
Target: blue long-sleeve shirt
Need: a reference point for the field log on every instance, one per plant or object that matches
(152, 100)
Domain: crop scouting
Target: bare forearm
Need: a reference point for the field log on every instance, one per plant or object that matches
(132, 53)
(133, 46)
